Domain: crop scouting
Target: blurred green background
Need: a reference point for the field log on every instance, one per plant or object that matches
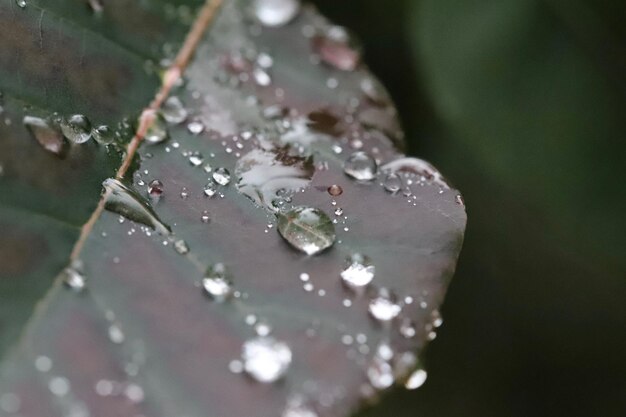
(522, 105)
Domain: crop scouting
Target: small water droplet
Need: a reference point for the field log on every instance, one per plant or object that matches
(210, 189)
(407, 328)
(103, 134)
(206, 217)
(221, 176)
(335, 49)
(380, 373)
(21, 3)
(384, 305)
(59, 386)
(46, 134)
(196, 159)
(195, 127)
(96, 5)
(261, 77)
(261, 328)
(173, 110)
(124, 201)
(338, 211)
(116, 335)
(265, 358)
(416, 380)
(392, 183)
(77, 128)
(335, 190)
(181, 247)
(155, 190)
(296, 407)
(359, 271)
(10, 402)
(274, 13)
(307, 229)
(184, 193)
(157, 132)
(216, 282)
(360, 166)
(73, 276)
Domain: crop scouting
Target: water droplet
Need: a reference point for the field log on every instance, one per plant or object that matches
(261, 77)
(73, 276)
(221, 176)
(103, 134)
(20, 3)
(155, 190)
(116, 335)
(267, 177)
(338, 211)
(265, 358)
(77, 128)
(335, 190)
(360, 166)
(380, 373)
(96, 5)
(157, 132)
(195, 127)
(392, 183)
(335, 49)
(124, 201)
(196, 159)
(173, 110)
(274, 13)
(416, 380)
(296, 407)
(417, 167)
(59, 386)
(384, 305)
(47, 134)
(206, 217)
(359, 271)
(210, 189)
(10, 402)
(261, 328)
(216, 283)
(181, 247)
(407, 328)
(307, 229)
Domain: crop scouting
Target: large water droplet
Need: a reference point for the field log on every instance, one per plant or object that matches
(265, 358)
(307, 229)
(157, 132)
(173, 110)
(48, 135)
(360, 166)
(221, 176)
(392, 183)
(359, 272)
(384, 305)
(275, 13)
(103, 134)
(73, 276)
(77, 128)
(216, 282)
(416, 380)
(417, 167)
(263, 175)
(124, 201)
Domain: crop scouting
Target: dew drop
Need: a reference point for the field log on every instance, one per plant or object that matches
(157, 132)
(392, 183)
(46, 134)
(103, 134)
(155, 190)
(126, 202)
(265, 359)
(261, 77)
(384, 305)
(195, 127)
(360, 166)
(359, 271)
(335, 190)
(205, 217)
(307, 229)
(173, 110)
(77, 128)
(416, 380)
(216, 283)
(274, 13)
(380, 373)
(210, 189)
(21, 3)
(181, 247)
(296, 407)
(196, 159)
(407, 328)
(73, 276)
(221, 176)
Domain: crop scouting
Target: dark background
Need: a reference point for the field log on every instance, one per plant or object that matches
(521, 104)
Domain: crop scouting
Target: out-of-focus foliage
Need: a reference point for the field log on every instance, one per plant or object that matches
(522, 103)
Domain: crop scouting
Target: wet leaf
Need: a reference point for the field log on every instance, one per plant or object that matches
(215, 312)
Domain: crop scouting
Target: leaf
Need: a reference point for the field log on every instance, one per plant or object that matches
(142, 337)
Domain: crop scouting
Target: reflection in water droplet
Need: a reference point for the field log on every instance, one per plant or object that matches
(416, 380)
(157, 132)
(384, 305)
(216, 282)
(267, 176)
(359, 272)
(73, 276)
(124, 201)
(307, 229)
(47, 134)
(265, 358)
(360, 166)
(221, 176)
(392, 183)
(275, 13)
(173, 110)
(77, 128)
